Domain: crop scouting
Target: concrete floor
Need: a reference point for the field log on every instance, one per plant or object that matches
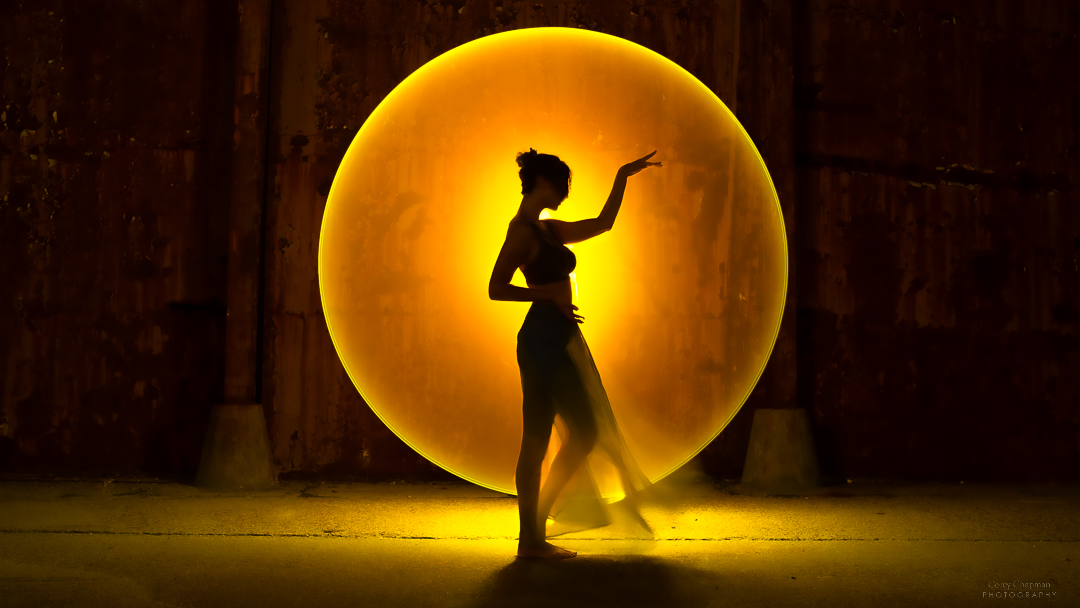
(153, 543)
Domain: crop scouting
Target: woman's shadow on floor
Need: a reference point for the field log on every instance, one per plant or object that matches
(587, 580)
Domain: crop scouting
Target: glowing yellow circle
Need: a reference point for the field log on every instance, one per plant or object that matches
(682, 299)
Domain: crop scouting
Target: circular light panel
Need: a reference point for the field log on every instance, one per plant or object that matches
(682, 299)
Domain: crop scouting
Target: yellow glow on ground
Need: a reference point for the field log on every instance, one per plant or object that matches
(682, 300)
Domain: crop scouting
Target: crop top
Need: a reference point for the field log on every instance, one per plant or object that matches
(553, 263)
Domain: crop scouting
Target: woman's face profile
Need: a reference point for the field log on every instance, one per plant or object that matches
(547, 193)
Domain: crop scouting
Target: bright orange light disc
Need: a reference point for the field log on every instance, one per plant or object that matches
(682, 299)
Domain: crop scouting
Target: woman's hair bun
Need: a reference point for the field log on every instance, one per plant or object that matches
(524, 158)
(550, 167)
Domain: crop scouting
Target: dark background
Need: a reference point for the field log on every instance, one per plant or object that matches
(924, 153)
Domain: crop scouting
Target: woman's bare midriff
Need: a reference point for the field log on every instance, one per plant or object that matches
(560, 289)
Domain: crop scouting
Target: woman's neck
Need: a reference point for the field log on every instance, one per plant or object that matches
(530, 209)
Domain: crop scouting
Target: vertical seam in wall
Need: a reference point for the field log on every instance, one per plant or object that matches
(263, 198)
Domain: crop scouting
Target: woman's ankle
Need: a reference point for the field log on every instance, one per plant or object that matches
(529, 538)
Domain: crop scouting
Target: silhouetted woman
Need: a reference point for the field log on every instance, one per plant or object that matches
(558, 375)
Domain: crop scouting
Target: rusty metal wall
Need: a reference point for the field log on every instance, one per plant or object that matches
(333, 62)
(114, 151)
(764, 80)
(939, 235)
(935, 304)
(924, 153)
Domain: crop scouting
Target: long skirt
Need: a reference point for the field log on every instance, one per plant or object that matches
(559, 380)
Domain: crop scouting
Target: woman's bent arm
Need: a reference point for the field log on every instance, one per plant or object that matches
(514, 253)
(513, 293)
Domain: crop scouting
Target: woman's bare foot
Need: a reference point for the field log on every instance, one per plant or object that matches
(544, 549)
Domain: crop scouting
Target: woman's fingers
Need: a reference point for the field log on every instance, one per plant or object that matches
(568, 312)
(642, 162)
(645, 158)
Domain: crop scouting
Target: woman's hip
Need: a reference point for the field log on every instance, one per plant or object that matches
(545, 335)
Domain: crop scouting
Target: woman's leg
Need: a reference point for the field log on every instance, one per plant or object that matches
(534, 443)
(572, 399)
(531, 541)
(538, 414)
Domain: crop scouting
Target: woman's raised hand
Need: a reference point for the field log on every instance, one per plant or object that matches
(633, 167)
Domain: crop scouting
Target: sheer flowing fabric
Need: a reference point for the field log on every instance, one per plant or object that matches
(561, 386)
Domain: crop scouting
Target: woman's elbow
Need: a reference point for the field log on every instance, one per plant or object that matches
(494, 291)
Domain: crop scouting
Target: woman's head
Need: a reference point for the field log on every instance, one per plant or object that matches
(544, 176)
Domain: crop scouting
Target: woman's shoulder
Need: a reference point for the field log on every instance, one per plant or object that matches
(521, 223)
(519, 227)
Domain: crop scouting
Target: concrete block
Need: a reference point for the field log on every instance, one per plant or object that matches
(236, 452)
(781, 454)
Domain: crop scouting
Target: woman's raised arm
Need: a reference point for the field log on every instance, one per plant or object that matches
(575, 232)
